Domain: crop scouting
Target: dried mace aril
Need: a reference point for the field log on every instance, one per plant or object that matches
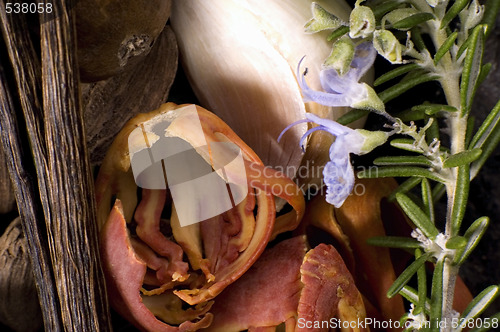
(163, 273)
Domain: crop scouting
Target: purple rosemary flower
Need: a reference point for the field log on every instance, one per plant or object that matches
(345, 90)
(338, 173)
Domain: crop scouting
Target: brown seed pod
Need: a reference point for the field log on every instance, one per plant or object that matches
(108, 104)
(116, 34)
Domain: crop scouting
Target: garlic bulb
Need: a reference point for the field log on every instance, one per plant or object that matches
(241, 58)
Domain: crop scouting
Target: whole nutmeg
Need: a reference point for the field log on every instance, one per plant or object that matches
(116, 34)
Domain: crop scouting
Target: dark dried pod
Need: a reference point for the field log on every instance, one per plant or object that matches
(7, 198)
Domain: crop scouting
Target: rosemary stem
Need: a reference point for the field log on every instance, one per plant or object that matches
(450, 76)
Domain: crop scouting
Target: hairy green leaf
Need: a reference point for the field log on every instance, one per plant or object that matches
(401, 87)
(416, 37)
(401, 70)
(417, 216)
(337, 33)
(460, 199)
(410, 115)
(473, 234)
(405, 144)
(438, 191)
(472, 68)
(490, 15)
(456, 242)
(414, 20)
(427, 199)
(485, 70)
(404, 187)
(422, 284)
(402, 171)
(352, 116)
(448, 43)
(478, 305)
(487, 140)
(411, 295)
(471, 120)
(403, 160)
(462, 158)
(437, 296)
(406, 275)
(486, 128)
(382, 8)
(454, 10)
(394, 242)
(431, 109)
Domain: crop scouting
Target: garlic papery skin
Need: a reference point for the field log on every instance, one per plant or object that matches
(241, 57)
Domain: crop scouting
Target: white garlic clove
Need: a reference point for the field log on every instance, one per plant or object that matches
(241, 58)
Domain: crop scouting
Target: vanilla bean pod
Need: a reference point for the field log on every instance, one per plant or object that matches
(29, 206)
(7, 198)
(72, 289)
(72, 224)
(19, 156)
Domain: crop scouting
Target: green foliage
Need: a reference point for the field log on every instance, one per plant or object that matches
(401, 32)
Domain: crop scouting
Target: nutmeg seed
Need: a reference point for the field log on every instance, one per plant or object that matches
(114, 35)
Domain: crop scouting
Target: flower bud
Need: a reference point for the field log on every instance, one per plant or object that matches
(373, 139)
(387, 46)
(361, 22)
(371, 101)
(433, 3)
(473, 15)
(322, 20)
(341, 57)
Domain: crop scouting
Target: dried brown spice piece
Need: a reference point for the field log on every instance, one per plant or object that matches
(125, 275)
(329, 291)
(116, 34)
(360, 217)
(218, 250)
(110, 103)
(292, 286)
(267, 294)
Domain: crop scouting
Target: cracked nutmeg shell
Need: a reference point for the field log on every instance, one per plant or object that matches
(116, 34)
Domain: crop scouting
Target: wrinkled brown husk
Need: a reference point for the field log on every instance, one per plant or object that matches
(110, 103)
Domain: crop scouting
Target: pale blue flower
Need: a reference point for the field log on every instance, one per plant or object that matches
(338, 173)
(345, 90)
